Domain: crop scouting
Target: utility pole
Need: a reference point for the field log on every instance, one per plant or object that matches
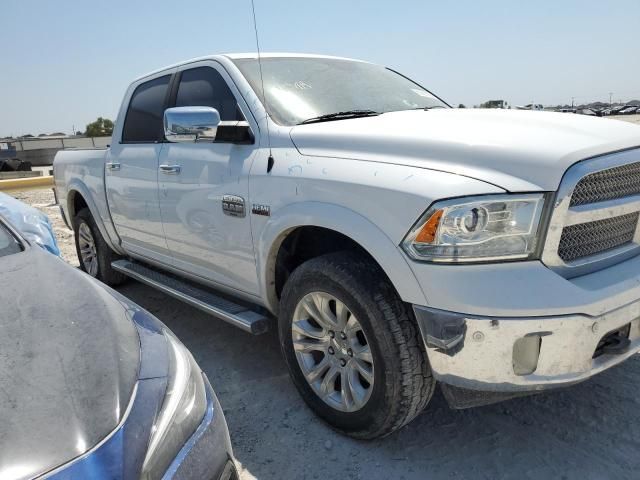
(610, 97)
(572, 100)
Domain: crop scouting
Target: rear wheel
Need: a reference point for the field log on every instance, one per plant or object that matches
(94, 254)
(352, 346)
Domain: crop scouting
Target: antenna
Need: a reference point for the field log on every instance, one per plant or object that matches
(264, 96)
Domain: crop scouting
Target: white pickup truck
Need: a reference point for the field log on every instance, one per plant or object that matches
(397, 241)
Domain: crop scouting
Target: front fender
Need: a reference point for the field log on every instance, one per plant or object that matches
(344, 221)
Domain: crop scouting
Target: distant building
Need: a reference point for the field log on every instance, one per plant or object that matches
(40, 150)
(494, 104)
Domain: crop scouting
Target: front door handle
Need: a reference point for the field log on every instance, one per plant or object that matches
(170, 169)
(113, 166)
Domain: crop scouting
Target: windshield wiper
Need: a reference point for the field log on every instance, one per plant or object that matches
(340, 116)
(421, 108)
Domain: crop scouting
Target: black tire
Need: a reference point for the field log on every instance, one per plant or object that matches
(104, 254)
(403, 383)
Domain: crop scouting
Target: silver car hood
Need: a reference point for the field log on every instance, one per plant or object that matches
(514, 150)
(69, 359)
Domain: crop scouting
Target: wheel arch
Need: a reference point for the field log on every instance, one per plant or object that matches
(78, 197)
(339, 222)
(75, 203)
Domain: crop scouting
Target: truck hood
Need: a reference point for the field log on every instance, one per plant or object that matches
(69, 358)
(514, 150)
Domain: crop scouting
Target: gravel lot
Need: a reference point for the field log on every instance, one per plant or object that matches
(626, 118)
(590, 431)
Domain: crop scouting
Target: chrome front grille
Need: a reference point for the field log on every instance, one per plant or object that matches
(586, 239)
(595, 221)
(618, 182)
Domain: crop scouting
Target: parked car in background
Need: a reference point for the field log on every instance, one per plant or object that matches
(398, 241)
(618, 109)
(587, 111)
(93, 386)
(530, 106)
(30, 222)
(628, 110)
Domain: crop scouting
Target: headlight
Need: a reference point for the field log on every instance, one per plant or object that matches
(182, 411)
(475, 229)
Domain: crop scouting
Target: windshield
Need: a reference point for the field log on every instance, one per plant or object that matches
(303, 88)
(8, 243)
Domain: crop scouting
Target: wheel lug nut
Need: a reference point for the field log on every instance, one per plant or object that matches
(350, 352)
(343, 336)
(332, 334)
(343, 362)
(331, 351)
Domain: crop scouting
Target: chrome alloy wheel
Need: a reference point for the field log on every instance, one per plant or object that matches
(332, 351)
(88, 252)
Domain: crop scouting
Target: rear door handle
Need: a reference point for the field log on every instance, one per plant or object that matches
(113, 166)
(170, 169)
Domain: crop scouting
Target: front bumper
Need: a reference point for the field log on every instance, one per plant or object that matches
(495, 306)
(489, 353)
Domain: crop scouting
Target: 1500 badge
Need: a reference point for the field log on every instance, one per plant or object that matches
(258, 209)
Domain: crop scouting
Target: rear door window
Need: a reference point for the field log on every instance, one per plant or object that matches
(143, 122)
(205, 87)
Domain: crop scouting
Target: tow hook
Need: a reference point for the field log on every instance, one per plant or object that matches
(616, 344)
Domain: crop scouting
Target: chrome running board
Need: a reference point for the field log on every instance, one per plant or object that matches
(195, 295)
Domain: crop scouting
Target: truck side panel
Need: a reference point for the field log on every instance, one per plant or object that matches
(81, 172)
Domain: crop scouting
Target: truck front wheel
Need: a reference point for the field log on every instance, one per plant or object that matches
(352, 346)
(94, 254)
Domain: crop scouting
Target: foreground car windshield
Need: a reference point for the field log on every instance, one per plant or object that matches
(299, 89)
(8, 243)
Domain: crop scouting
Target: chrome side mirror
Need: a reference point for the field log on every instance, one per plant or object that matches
(191, 124)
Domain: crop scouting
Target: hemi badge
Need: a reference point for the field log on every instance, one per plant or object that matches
(264, 210)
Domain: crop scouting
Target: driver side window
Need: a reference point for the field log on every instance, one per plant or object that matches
(205, 87)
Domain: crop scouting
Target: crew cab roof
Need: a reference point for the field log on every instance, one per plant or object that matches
(247, 55)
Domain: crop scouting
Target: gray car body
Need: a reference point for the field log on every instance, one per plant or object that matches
(68, 367)
(69, 370)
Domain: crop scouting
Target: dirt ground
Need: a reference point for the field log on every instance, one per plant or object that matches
(589, 431)
(626, 118)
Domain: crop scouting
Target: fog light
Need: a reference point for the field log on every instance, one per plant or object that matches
(526, 352)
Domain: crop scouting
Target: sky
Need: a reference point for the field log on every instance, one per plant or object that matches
(65, 63)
